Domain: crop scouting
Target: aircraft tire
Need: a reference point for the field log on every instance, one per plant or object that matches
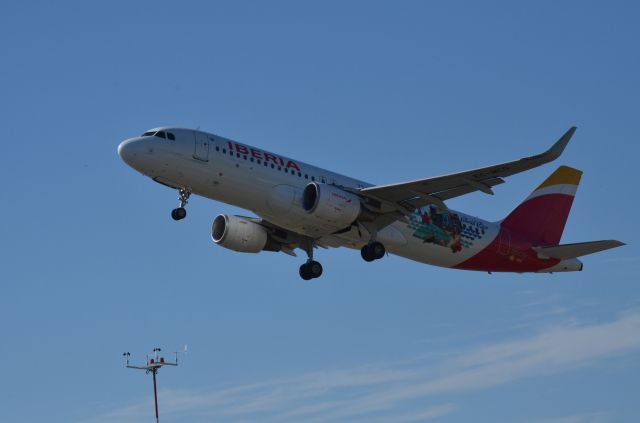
(310, 270)
(377, 250)
(179, 213)
(315, 269)
(305, 272)
(366, 253)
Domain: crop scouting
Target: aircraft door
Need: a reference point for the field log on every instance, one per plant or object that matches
(201, 151)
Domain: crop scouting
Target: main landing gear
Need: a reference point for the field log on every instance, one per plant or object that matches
(311, 269)
(372, 251)
(180, 213)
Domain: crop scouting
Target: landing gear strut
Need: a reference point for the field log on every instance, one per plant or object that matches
(373, 251)
(311, 269)
(180, 213)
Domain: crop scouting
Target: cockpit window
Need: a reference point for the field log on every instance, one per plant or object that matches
(160, 134)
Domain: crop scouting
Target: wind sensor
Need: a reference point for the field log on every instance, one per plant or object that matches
(153, 364)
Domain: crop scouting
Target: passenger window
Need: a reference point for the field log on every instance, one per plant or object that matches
(171, 136)
(217, 148)
(224, 151)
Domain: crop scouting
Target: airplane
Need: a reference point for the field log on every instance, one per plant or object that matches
(300, 206)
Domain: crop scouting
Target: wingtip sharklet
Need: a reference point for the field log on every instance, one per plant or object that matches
(556, 149)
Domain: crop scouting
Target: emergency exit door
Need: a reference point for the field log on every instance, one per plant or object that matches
(202, 146)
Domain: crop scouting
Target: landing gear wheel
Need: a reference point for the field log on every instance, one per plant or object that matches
(377, 250)
(373, 251)
(315, 268)
(179, 213)
(305, 273)
(366, 254)
(310, 270)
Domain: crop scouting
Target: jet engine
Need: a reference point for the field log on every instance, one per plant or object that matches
(242, 235)
(331, 205)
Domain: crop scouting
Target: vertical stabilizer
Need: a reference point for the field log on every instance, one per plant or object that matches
(541, 216)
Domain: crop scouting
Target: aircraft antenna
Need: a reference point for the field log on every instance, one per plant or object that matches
(152, 365)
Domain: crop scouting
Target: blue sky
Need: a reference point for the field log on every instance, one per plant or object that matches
(383, 91)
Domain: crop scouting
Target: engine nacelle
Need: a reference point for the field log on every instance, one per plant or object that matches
(331, 205)
(239, 234)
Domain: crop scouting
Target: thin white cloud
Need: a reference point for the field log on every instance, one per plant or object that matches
(389, 392)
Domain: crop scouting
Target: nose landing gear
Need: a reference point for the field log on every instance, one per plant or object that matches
(180, 212)
(372, 251)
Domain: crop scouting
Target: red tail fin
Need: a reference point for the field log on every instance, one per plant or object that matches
(542, 216)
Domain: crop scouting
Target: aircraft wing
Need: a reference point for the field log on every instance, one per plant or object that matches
(413, 194)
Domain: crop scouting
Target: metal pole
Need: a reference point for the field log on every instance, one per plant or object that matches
(155, 394)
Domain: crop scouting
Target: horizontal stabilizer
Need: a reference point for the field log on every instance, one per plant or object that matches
(569, 251)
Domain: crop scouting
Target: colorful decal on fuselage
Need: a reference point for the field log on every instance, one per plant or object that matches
(445, 228)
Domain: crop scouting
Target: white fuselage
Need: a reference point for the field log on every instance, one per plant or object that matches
(271, 186)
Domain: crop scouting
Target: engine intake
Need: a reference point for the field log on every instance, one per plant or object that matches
(242, 235)
(331, 205)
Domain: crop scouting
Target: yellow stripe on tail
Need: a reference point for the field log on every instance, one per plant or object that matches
(564, 175)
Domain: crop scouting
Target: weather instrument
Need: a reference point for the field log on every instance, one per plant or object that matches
(152, 365)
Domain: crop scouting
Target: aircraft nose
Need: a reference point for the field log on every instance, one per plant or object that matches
(127, 151)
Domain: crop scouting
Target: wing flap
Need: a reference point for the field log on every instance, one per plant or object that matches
(568, 251)
(418, 201)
